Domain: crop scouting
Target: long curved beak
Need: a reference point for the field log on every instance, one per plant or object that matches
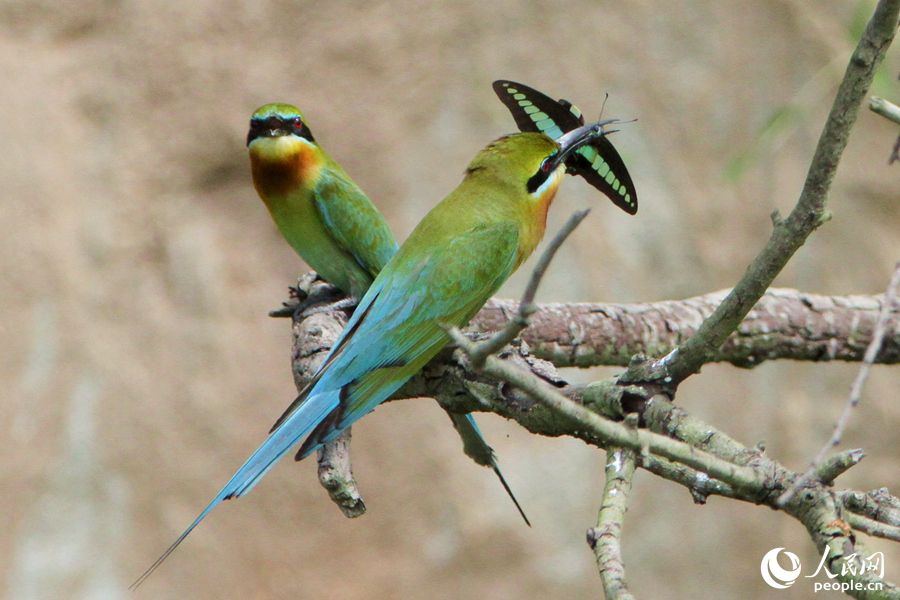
(577, 138)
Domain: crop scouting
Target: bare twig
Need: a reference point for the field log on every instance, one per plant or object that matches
(608, 432)
(605, 538)
(809, 213)
(526, 306)
(885, 108)
(815, 507)
(889, 111)
(839, 464)
(878, 505)
(698, 483)
(873, 528)
(890, 298)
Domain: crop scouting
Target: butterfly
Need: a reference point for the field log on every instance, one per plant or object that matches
(598, 162)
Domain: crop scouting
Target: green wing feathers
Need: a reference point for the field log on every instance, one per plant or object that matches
(401, 331)
(353, 222)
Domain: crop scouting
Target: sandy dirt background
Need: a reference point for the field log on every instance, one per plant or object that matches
(138, 367)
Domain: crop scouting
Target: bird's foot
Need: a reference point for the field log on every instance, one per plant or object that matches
(308, 309)
(313, 295)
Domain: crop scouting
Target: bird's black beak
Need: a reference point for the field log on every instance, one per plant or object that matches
(271, 127)
(274, 127)
(577, 138)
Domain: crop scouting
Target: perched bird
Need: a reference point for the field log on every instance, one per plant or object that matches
(598, 162)
(318, 209)
(453, 261)
(331, 224)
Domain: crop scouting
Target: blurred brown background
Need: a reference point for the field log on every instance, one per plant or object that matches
(139, 368)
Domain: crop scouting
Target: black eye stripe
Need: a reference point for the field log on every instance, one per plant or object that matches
(293, 124)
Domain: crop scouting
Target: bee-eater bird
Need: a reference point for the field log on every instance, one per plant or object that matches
(331, 224)
(598, 162)
(318, 209)
(454, 260)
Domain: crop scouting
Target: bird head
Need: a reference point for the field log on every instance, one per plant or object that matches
(566, 146)
(278, 120)
(533, 158)
(283, 154)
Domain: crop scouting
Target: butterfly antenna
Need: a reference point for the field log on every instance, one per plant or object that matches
(603, 106)
(617, 121)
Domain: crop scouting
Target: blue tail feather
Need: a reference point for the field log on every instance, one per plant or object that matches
(289, 433)
(476, 448)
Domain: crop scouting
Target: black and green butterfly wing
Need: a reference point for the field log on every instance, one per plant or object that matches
(598, 163)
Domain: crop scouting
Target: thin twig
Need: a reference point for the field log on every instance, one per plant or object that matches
(873, 528)
(809, 213)
(890, 298)
(610, 433)
(839, 464)
(891, 112)
(878, 505)
(698, 483)
(885, 108)
(605, 538)
(515, 325)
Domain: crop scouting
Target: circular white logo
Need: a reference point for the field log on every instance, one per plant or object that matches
(773, 573)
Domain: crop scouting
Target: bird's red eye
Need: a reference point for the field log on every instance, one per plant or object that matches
(298, 122)
(545, 166)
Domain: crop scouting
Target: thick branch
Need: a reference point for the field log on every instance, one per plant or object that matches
(315, 333)
(784, 324)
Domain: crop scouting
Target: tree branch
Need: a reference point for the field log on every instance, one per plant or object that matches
(891, 112)
(784, 324)
(605, 538)
(890, 298)
(315, 332)
(885, 108)
(809, 213)
(877, 505)
(699, 446)
(336, 476)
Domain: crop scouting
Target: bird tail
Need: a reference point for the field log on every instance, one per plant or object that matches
(476, 448)
(280, 441)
